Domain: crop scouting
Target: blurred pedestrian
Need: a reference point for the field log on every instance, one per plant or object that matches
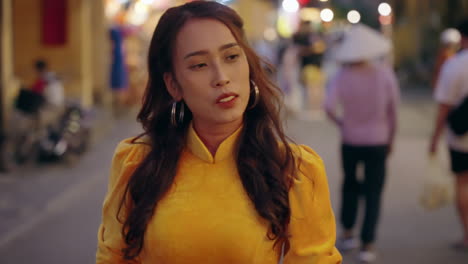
(50, 86)
(213, 179)
(119, 72)
(451, 91)
(449, 45)
(311, 48)
(368, 94)
(289, 76)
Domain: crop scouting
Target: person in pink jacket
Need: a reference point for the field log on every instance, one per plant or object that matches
(367, 93)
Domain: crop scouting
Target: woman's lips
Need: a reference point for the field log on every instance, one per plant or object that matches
(226, 97)
(227, 100)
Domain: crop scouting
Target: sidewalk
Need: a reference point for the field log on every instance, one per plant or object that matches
(26, 191)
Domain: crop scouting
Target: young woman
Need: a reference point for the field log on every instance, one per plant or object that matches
(213, 179)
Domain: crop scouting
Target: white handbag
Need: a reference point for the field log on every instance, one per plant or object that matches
(438, 185)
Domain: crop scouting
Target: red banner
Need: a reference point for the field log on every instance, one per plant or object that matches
(303, 2)
(54, 22)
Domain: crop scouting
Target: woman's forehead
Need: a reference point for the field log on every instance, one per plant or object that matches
(203, 34)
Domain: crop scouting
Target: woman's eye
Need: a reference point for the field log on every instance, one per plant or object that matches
(232, 57)
(198, 66)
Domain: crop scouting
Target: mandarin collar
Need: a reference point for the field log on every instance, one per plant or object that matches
(198, 148)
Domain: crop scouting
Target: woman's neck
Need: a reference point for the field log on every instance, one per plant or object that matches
(213, 135)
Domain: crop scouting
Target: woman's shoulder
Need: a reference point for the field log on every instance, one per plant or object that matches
(310, 184)
(128, 154)
(133, 149)
(309, 163)
(305, 153)
(130, 151)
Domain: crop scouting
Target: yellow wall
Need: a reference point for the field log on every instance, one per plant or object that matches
(82, 63)
(100, 44)
(65, 60)
(257, 15)
(9, 84)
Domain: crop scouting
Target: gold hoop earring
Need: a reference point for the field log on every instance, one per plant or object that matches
(174, 120)
(256, 94)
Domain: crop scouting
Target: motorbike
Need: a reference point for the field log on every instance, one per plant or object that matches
(67, 140)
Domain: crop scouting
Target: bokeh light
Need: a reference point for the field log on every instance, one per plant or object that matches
(353, 16)
(290, 6)
(384, 9)
(327, 15)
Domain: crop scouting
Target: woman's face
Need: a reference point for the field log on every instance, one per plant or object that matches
(211, 73)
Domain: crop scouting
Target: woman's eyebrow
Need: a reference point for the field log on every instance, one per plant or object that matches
(204, 52)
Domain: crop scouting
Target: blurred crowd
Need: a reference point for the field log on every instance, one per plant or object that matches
(347, 74)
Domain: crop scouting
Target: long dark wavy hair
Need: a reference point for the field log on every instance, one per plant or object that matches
(264, 159)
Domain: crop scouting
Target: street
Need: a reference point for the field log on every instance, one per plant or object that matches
(51, 214)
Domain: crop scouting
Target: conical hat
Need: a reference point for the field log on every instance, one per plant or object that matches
(360, 43)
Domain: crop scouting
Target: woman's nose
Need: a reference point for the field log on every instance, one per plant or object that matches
(220, 78)
(221, 83)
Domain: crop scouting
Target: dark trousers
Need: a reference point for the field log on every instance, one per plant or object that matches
(373, 159)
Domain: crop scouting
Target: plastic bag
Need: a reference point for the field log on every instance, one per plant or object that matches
(437, 189)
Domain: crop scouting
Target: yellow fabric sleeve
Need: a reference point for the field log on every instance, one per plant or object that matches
(312, 226)
(126, 158)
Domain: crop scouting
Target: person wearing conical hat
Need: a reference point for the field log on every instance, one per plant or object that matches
(367, 91)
